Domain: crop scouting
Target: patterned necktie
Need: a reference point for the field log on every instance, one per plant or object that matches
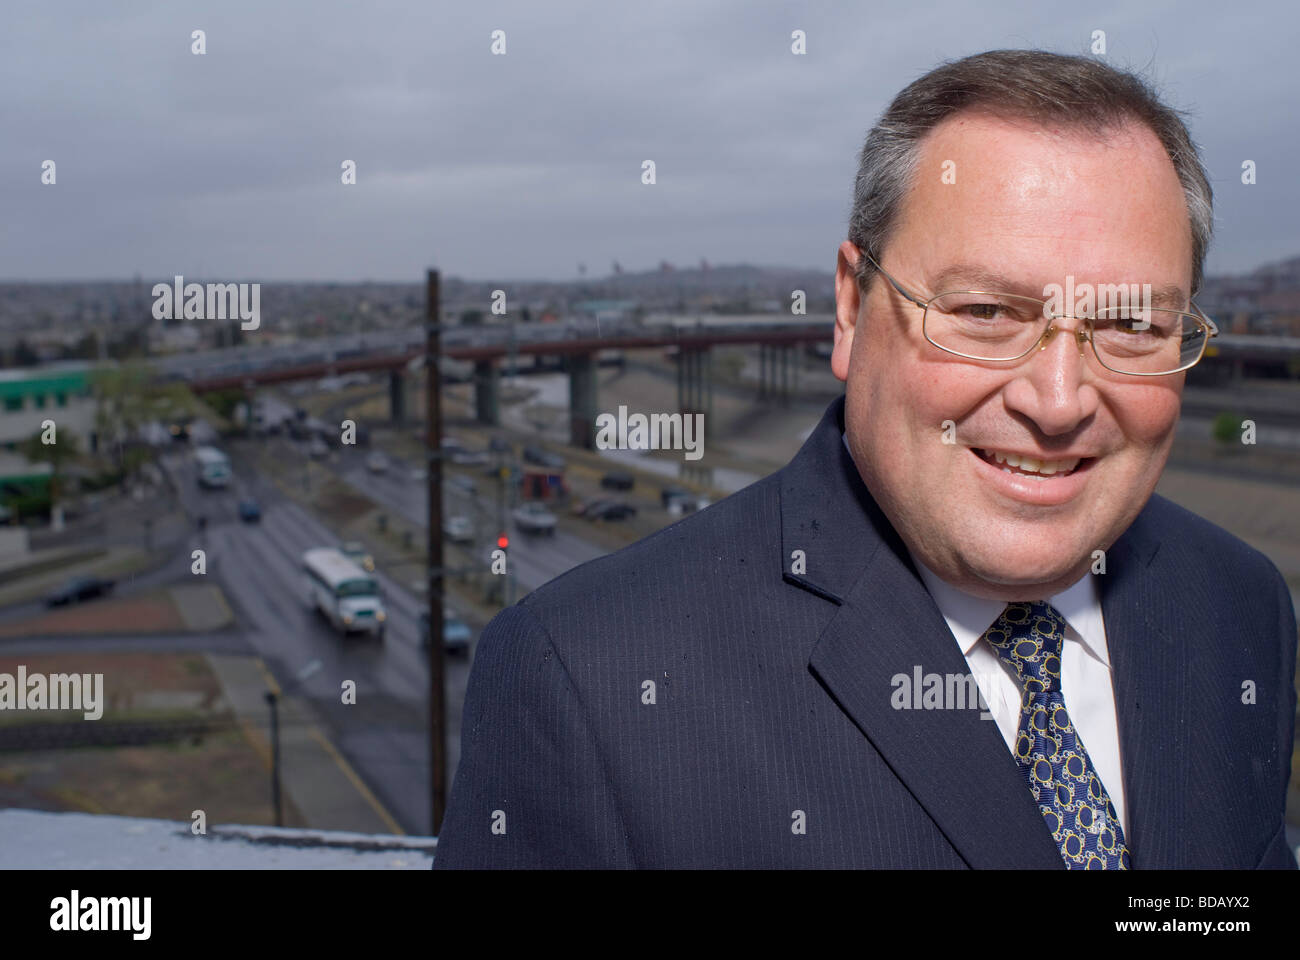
(1078, 811)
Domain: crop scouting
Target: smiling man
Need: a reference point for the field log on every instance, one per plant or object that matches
(771, 682)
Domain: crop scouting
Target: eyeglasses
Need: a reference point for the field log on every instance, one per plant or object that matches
(982, 325)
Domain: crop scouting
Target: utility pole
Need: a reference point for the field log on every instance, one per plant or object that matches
(433, 459)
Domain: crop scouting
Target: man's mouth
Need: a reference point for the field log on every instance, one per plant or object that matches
(1029, 466)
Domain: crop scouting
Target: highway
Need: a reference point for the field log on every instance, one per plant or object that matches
(384, 736)
(536, 559)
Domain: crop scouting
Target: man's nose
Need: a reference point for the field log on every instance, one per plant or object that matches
(1050, 386)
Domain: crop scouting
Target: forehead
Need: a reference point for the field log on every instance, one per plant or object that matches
(1051, 196)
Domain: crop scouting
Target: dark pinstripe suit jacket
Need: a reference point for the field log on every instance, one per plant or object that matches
(772, 700)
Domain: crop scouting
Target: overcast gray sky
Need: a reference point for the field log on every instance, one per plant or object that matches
(227, 165)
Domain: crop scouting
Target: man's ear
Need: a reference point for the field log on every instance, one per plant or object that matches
(847, 304)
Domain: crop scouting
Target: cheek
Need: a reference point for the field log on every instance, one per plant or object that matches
(939, 391)
(1146, 415)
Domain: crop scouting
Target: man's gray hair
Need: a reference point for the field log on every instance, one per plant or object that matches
(1021, 84)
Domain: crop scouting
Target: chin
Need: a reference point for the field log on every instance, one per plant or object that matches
(1028, 564)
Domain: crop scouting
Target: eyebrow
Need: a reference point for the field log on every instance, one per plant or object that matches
(966, 276)
(1170, 297)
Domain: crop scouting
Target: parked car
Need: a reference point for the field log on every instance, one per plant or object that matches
(542, 457)
(532, 517)
(580, 508)
(250, 511)
(688, 504)
(671, 493)
(458, 528)
(78, 589)
(618, 481)
(358, 554)
(611, 510)
(456, 634)
(376, 462)
(466, 457)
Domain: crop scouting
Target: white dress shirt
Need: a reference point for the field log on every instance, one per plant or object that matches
(1085, 670)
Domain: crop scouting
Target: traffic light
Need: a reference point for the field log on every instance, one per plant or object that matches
(503, 541)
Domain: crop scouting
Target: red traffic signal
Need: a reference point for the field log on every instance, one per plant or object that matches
(503, 541)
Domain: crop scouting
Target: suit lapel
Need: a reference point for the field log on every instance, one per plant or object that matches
(1172, 781)
(956, 764)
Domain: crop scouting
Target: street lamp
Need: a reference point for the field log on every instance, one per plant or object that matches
(272, 699)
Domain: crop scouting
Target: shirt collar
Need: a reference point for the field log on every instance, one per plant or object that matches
(969, 616)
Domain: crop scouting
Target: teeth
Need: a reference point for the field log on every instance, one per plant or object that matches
(1044, 468)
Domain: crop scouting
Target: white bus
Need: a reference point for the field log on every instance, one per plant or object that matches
(346, 594)
(213, 467)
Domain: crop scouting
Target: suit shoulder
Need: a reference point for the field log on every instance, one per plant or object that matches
(1188, 535)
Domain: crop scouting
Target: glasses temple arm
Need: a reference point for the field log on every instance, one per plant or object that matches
(911, 297)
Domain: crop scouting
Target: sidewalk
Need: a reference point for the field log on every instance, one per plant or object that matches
(200, 608)
(313, 774)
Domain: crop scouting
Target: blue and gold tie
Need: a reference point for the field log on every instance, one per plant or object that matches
(1070, 794)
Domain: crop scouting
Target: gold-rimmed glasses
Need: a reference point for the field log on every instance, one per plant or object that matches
(1002, 327)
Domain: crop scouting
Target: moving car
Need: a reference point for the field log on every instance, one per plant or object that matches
(212, 467)
(250, 511)
(458, 528)
(456, 634)
(534, 518)
(355, 551)
(78, 589)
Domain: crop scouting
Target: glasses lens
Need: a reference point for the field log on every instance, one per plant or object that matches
(987, 326)
(1151, 342)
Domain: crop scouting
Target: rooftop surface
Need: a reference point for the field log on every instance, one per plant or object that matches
(37, 840)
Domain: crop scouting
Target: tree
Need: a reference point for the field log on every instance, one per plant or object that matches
(127, 397)
(1226, 428)
(57, 454)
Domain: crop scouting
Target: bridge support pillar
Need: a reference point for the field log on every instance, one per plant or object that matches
(397, 397)
(778, 372)
(582, 399)
(695, 383)
(487, 393)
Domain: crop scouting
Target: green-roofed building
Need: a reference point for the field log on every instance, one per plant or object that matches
(28, 397)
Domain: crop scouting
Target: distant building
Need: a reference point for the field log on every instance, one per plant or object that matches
(30, 395)
(604, 310)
